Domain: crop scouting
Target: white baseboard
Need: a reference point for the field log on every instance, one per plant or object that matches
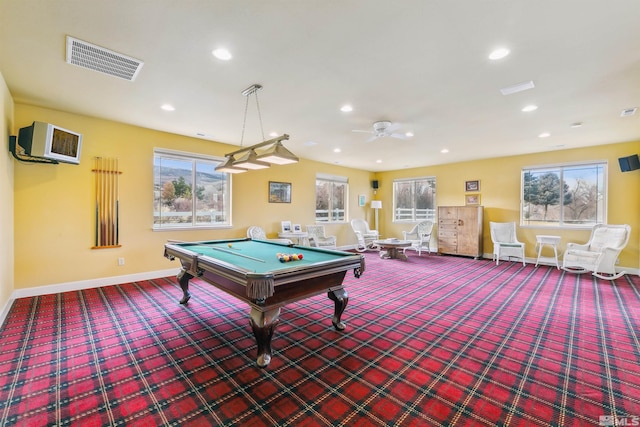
(82, 284)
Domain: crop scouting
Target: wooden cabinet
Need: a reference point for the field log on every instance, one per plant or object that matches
(460, 230)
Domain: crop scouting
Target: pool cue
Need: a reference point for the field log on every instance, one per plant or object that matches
(105, 173)
(237, 254)
(117, 206)
(102, 229)
(95, 164)
(111, 204)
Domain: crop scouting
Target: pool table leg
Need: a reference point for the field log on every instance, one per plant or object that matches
(340, 299)
(263, 324)
(183, 279)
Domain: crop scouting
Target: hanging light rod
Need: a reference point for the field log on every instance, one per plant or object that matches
(251, 89)
(258, 145)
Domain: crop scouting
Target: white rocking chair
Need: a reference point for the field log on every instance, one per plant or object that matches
(600, 253)
(318, 239)
(420, 237)
(365, 236)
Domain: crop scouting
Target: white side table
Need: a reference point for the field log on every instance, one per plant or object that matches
(552, 241)
(298, 235)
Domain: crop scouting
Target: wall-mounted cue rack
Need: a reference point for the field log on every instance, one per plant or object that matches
(107, 205)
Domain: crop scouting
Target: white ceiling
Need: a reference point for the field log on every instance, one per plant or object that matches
(420, 63)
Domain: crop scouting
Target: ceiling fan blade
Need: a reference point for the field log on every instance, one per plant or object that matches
(373, 138)
(399, 136)
(363, 131)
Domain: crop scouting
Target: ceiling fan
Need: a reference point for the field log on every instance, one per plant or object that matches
(384, 128)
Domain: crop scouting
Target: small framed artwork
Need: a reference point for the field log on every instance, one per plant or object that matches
(472, 185)
(286, 226)
(472, 199)
(279, 192)
(362, 200)
(297, 228)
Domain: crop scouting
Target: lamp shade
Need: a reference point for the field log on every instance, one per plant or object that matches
(228, 167)
(250, 161)
(278, 155)
(376, 204)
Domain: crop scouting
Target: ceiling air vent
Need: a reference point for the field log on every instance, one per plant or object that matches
(99, 59)
(628, 112)
(509, 90)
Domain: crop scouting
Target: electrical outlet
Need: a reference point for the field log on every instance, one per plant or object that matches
(120, 261)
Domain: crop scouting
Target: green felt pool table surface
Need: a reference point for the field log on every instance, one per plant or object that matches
(258, 256)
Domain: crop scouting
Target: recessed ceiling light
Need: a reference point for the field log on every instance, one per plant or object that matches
(444, 150)
(222, 54)
(273, 134)
(530, 108)
(378, 161)
(499, 53)
(346, 108)
(168, 107)
(337, 150)
(544, 135)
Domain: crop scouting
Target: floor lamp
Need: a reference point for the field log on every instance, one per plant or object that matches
(376, 204)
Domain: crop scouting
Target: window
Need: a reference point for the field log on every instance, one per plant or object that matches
(188, 192)
(564, 195)
(414, 199)
(331, 198)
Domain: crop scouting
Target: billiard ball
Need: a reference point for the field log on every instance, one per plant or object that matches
(299, 256)
(230, 245)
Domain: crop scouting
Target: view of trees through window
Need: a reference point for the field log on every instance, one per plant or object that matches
(189, 192)
(564, 195)
(331, 199)
(414, 199)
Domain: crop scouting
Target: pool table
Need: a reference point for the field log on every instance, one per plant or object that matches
(250, 271)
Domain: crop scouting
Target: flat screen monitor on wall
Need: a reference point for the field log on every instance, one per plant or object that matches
(51, 142)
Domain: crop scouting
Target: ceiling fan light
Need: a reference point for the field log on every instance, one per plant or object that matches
(251, 161)
(228, 166)
(278, 155)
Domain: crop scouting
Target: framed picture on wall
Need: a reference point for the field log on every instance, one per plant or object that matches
(472, 185)
(279, 192)
(362, 200)
(297, 228)
(472, 199)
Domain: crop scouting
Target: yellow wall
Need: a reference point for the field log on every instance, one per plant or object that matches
(6, 196)
(500, 193)
(54, 204)
(54, 210)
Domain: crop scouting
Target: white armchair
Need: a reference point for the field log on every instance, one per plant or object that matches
(420, 237)
(600, 253)
(364, 235)
(257, 233)
(318, 239)
(505, 241)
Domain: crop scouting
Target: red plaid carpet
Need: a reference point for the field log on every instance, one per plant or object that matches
(432, 341)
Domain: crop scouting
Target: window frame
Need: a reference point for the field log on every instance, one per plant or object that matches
(332, 179)
(194, 158)
(414, 219)
(561, 223)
